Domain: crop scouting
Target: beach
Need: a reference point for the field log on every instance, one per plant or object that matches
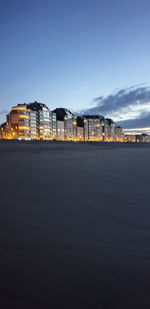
(74, 225)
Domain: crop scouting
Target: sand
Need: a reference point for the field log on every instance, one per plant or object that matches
(74, 225)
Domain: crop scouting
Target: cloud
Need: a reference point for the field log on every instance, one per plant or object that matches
(120, 100)
(143, 120)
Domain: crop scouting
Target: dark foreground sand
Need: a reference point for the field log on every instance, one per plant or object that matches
(74, 226)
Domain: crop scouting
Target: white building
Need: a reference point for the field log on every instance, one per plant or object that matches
(60, 130)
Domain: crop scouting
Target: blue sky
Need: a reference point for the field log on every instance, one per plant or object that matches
(68, 52)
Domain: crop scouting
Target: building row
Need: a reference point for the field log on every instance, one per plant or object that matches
(35, 121)
(139, 138)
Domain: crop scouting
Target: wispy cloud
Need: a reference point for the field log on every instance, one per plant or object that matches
(143, 120)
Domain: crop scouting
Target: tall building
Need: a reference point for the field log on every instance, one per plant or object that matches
(53, 125)
(60, 130)
(80, 129)
(109, 130)
(93, 128)
(41, 121)
(70, 124)
(31, 121)
(119, 134)
(19, 122)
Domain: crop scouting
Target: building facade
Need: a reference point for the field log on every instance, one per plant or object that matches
(119, 134)
(60, 130)
(32, 121)
(70, 124)
(19, 122)
(93, 127)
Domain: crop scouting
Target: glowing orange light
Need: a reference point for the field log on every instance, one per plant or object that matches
(24, 116)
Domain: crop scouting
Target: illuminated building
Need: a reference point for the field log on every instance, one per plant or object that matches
(119, 134)
(19, 122)
(108, 130)
(80, 129)
(53, 125)
(80, 134)
(41, 121)
(60, 130)
(130, 138)
(32, 121)
(70, 124)
(145, 138)
(5, 131)
(93, 128)
(142, 138)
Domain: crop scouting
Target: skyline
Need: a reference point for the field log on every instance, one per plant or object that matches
(69, 53)
(34, 121)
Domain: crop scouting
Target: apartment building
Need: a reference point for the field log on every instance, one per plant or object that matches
(93, 127)
(41, 121)
(80, 129)
(33, 121)
(119, 134)
(53, 122)
(68, 119)
(130, 138)
(19, 122)
(5, 132)
(108, 127)
(142, 138)
(60, 130)
(70, 126)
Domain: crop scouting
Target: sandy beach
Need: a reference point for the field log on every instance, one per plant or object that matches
(74, 225)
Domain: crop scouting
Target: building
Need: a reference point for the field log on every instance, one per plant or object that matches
(60, 130)
(5, 131)
(145, 138)
(41, 122)
(93, 127)
(142, 138)
(130, 138)
(19, 122)
(80, 134)
(109, 130)
(33, 121)
(119, 134)
(70, 124)
(80, 129)
(54, 125)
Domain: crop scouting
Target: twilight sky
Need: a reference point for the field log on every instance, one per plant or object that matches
(79, 54)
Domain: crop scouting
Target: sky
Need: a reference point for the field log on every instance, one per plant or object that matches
(70, 53)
